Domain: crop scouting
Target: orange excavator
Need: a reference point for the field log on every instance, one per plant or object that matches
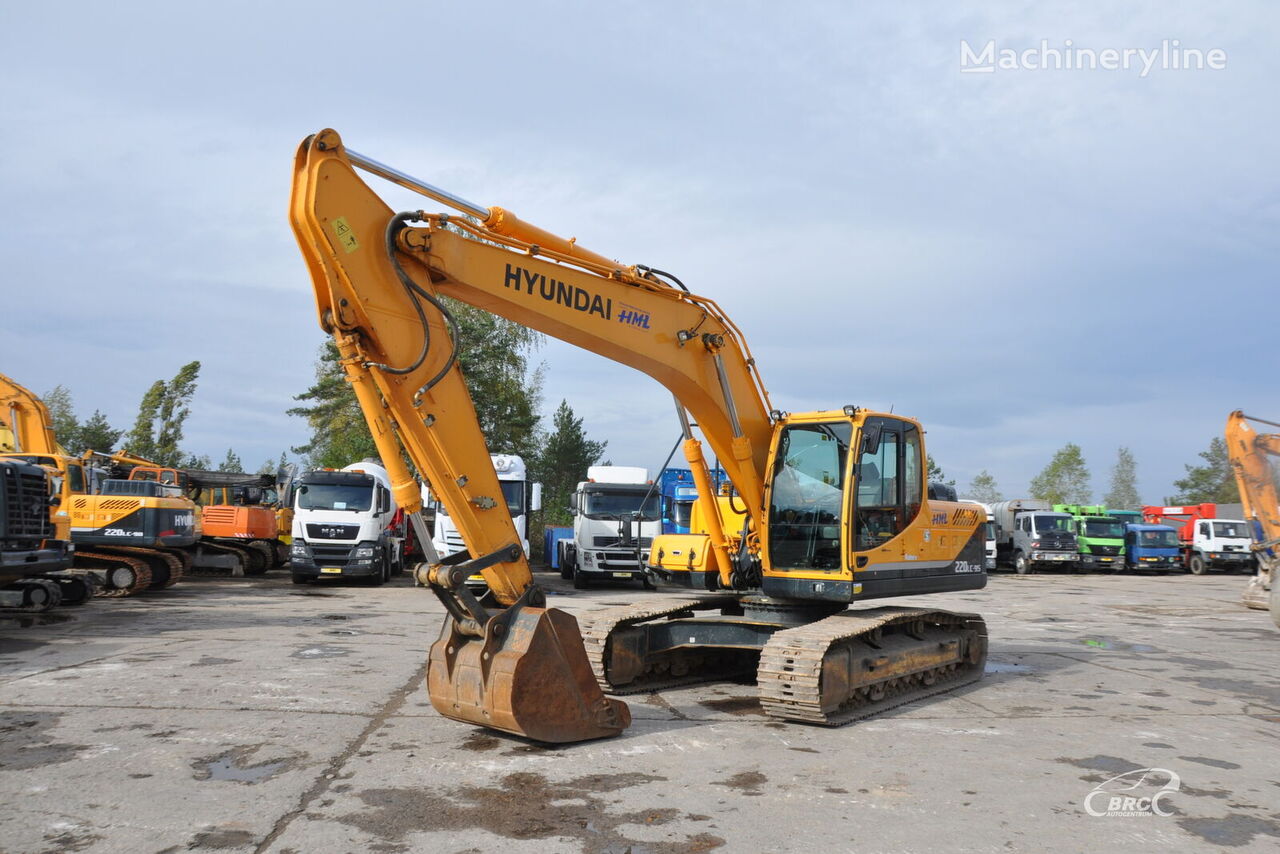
(834, 504)
(1251, 453)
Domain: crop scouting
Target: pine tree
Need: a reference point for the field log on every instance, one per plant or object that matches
(1065, 480)
(1211, 482)
(96, 434)
(232, 462)
(1123, 494)
(983, 488)
(563, 463)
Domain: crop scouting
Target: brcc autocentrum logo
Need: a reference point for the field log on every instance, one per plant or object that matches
(1142, 792)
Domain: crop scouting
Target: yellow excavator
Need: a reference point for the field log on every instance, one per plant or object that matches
(1251, 453)
(127, 539)
(834, 504)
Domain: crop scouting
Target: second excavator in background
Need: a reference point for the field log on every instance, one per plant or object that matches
(834, 503)
(1251, 454)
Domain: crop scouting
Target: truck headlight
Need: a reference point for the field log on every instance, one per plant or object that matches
(298, 550)
(364, 551)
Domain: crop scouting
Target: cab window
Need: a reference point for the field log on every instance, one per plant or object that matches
(805, 498)
(890, 483)
(75, 479)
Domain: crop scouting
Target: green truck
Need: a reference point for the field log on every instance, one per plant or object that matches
(1099, 535)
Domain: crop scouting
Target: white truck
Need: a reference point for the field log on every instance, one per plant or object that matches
(522, 498)
(989, 533)
(1030, 534)
(343, 526)
(617, 511)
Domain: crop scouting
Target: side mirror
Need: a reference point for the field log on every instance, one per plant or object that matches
(55, 500)
(535, 498)
(871, 439)
(573, 511)
(384, 501)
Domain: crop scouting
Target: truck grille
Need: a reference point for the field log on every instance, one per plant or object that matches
(1105, 550)
(332, 532)
(616, 542)
(331, 555)
(25, 503)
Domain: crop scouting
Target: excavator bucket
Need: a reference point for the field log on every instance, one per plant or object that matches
(528, 675)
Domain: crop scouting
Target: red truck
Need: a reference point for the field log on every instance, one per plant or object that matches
(1205, 541)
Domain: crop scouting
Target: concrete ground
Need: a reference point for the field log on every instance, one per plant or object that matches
(251, 715)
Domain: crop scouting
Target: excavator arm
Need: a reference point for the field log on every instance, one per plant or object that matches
(378, 279)
(1251, 454)
(28, 420)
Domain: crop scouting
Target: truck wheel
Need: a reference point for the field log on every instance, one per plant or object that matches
(1020, 563)
(1197, 565)
(568, 562)
(647, 581)
(300, 579)
(579, 579)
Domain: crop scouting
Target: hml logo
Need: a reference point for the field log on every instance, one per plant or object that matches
(634, 318)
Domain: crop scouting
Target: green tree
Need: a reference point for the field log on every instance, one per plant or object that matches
(934, 472)
(1065, 480)
(232, 462)
(563, 463)
(339, 433)
(63, 415)
(493, 354)
(96, 434)
(157, 431)
(1211, 482)
(1123, 494)
(141, 440)
(983, 488)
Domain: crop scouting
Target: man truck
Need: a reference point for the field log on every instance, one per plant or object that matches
(1099, 536)
(342, 526)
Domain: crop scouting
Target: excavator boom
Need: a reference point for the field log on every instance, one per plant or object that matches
(1251, 454)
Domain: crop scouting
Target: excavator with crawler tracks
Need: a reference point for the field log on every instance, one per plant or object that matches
(834, 504)
(129, 536)
(1251, 454)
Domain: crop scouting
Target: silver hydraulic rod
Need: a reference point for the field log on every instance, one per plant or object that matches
(409, 182)
(728, 397)
(685, 429)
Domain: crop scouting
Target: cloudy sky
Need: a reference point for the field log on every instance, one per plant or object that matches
(1020, 258)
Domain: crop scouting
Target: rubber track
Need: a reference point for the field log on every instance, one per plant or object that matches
(141, 573)
(50, 587)
(789, 677)
(597, 626)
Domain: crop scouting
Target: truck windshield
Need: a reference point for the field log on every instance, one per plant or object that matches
(1229, 529)
(1052, 523)
(989, 530)
(682, 511)
(1158, 539)
(1109, 529)
(335, 496)
(612, 504)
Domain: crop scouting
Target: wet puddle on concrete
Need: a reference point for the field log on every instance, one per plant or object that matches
(1118, 646)
(233, 766)
(321, 651)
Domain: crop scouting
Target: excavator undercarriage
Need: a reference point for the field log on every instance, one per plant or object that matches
(825, 669)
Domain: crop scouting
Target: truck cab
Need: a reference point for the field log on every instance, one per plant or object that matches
(342, 526)
(1151, 547)
(617, 512)
(1100, 537)
(1206, 542)
(679, 495)
(522, 498)
(1043, 538)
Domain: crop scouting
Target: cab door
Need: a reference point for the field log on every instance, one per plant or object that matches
(888, 481)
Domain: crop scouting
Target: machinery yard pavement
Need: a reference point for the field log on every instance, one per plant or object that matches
(252, 715)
